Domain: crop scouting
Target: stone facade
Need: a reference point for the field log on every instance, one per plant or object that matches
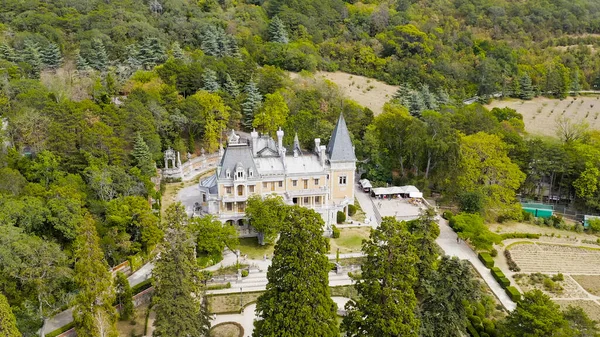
(322, 179)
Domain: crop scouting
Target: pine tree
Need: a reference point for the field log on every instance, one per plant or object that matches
(209, 44)
(94, 314)
(297, 300)
(124, 296)
(403, 93)
(51, 56)
(150, 53)
(8, 53)
(176, 51)
(416, 104)
(210, 80)
(386, 301)
(178, 292)
(527, 91)
(443, 97)
(142, 156)
(97, 58)
(133, 59)
(8, 323)
(82, 64)
(277, 31)
(251, 104)
(231, 87)
(31, 56)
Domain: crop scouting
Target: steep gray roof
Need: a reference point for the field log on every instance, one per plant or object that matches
(340, 145)
(234, 155)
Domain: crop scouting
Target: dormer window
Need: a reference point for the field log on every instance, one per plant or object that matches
(228, 174)
(250, 173)
(240, 174)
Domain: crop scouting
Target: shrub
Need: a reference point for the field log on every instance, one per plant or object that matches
(558, 277)
(513, 293)
(526, 215)
(494, 252)
(351, 210)
(472, 330)
(341, 217)
(497, 274)
(245, 273)
(487, 259)
(447, 215)
(512, 265)
(504, 282)
(519, 236)
(335, 232)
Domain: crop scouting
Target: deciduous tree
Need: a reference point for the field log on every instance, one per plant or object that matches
(272, 114)
(266, 216)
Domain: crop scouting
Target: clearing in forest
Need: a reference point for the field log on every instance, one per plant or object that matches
(540, 113)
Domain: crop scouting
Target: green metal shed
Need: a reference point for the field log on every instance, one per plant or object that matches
(538, 210)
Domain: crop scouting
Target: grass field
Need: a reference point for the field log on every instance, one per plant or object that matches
(350, 240)
(250, 247)
(540, 114)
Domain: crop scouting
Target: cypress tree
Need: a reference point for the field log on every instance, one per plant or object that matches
(31, 56)
(277, 31)
(51, 56)
(251, 104)
(8, 323)
(98, 59)
(386, 301)
(210, 80)
(94, 314)
(297, 300)
(142, 156)
(124, 296)
(178, 282)
(231, 87)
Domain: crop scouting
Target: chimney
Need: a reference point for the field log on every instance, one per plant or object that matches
(317, 145)
(254, 136)
(322, 156)
(279, 139)
(283, 157)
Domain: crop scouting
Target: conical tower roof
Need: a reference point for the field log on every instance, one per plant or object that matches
(340, 145)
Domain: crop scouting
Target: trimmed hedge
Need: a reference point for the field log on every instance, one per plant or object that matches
(472, 330)
(341, 217)
(61, 330)
(447, 215)
(138, 288)
(351, 210)
(335, 232)
(487, 259)
(519, 236)
(513, 293)
(504, 282)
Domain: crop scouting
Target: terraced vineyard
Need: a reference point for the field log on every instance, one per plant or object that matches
(556, 259)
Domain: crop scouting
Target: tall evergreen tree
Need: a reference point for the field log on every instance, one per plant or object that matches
(178, 292)
(297, 301)
(31, 55)
(142, 156)
(94, 314)
(251, 104)
(97, 57)
(442, 310)
(210, 80)
(424, 231)
(8, 323)
(124, 296)
(527, 90)
(176, 51)
(81, 63)
(8, 53)
(430, 100)
(386, 301)
(277, 31)
(209, 43)
(416, 104)
(150, 52)
(231, 87)
(51, 56)
(575, 81)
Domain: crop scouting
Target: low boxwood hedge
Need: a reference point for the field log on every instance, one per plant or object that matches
(504, 282)
(487, 259)
(519, 236)
(61, 330)
(138, 288)
(513, 293)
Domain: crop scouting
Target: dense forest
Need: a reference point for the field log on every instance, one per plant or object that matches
(92, 93)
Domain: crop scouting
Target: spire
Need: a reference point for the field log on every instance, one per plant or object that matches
(297, 150)
(340, 145)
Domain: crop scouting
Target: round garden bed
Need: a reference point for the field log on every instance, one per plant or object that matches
(227, 329)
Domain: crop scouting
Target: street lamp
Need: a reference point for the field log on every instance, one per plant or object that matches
(241, 305)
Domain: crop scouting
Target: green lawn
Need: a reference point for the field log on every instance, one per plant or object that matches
(250, 247)
(350, 240)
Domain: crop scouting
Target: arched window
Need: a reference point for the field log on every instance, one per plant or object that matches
(228, 174)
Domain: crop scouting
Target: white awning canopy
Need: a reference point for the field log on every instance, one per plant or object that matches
(409, 190)
(365, 183)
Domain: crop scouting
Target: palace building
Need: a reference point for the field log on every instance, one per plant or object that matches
(322, 180)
